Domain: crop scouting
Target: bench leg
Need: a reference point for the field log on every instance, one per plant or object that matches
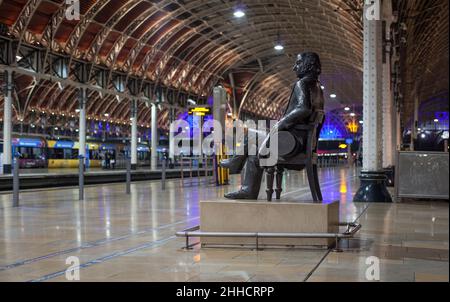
(269, 179)
(316, 180)
(311, 181)
(279, 182)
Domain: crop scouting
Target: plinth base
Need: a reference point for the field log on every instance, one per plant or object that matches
(373, 188)
(265, 217)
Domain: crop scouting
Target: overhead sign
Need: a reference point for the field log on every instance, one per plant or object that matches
(28, 142)
(200, 111)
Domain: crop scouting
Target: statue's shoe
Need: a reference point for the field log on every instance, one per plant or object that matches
(234, 164)
(241, 195)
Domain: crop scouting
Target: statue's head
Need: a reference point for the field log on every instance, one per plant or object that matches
(308, 64)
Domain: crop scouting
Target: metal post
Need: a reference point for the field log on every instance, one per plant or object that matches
(199, 174)
(206, 168)
(182, 171)
(414, 130)
(134, 117)
(350, 155)
(82, 123)
(336, 247)
(163, 178)
(16, 185)
(7, 124)
(154, 129)
(214, 164)
(81, 177)
(190, 168)
(128, 162)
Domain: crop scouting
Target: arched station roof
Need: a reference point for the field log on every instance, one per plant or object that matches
(186, 47)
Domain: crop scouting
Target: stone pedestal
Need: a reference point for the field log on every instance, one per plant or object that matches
(265, 217)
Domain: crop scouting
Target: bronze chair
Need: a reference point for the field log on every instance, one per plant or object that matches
(291, 158)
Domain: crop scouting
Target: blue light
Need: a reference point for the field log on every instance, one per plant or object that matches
(331, 131)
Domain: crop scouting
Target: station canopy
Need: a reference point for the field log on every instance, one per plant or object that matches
(182, 49)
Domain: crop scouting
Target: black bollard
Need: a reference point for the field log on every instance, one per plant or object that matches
(163, 178)
(81, 177)
(128, 163)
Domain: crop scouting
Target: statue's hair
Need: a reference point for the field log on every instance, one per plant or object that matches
(312, 64)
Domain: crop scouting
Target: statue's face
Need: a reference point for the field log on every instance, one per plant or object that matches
(299, 68)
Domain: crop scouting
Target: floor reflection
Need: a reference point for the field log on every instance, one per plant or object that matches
(131, 237)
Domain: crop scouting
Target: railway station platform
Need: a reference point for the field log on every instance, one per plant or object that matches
(120, 237)
(49, 178)
(136, 135)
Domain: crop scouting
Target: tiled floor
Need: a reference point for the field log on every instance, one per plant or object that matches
(131, 238)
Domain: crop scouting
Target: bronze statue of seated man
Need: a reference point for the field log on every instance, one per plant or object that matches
(306, 98)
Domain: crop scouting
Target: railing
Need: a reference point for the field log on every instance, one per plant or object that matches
(196, 166)
(352, 229)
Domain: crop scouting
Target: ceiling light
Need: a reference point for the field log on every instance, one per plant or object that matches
(352, 114)
(18, 58)
(361, 122)
(323, 87)
(347, 108)
(436, 120)
(239, 13)
(106, 114)
(279, 47)
(333, 96)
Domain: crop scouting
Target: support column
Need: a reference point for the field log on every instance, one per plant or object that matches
(171, 136)
(134, 134)
(82, 126)
(373, 179)
(7, 125)
(154, 154)
(388, 114)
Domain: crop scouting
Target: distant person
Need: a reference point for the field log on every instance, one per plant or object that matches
(107, 161)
